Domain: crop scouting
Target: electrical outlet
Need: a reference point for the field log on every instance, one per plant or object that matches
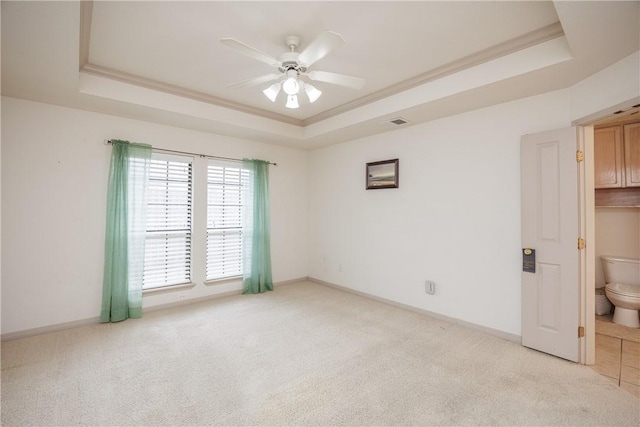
(340, 268)
(430, 287)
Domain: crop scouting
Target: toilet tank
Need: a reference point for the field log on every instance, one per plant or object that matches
(621, 270)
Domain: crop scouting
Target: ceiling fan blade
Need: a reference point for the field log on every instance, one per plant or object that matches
(256, 80)
(250, 51)
(320, 47)
(337, 79)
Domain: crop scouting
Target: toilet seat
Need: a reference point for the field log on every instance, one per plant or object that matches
(625, 290)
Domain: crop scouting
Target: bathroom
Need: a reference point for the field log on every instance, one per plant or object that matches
(617, 234)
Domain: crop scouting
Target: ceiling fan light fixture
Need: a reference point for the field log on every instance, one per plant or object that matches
(312, 92)
(294, 65)
(272, 91)
(292, 102)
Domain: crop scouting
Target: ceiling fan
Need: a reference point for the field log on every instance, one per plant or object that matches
(293, 65)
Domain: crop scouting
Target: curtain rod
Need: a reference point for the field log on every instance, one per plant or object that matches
(205, 156)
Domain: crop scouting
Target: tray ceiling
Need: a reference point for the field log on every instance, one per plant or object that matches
(162, 61)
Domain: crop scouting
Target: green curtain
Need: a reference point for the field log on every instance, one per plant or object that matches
(125, 231)
(256, 229)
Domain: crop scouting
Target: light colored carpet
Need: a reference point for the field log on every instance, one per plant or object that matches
(304, 354)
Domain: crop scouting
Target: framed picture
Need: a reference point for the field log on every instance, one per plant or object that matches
(382, 174)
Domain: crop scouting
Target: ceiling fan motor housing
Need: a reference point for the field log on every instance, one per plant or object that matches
(289, 61)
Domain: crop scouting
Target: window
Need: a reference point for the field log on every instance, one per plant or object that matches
(167, 259)
(225, 206)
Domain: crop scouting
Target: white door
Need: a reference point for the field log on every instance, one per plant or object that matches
(551, 295)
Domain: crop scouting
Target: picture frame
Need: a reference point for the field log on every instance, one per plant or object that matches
(383, 174)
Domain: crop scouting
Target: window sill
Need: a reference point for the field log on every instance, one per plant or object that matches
(223, 281)
(171, 288)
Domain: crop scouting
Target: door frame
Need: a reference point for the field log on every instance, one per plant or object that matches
(586, 221)
(586, 202)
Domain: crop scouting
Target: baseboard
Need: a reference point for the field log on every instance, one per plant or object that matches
(50, 328)
(181, 303)
(291, 282)
(94, 320)
(489, 331)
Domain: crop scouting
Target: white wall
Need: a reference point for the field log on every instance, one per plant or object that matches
(455, 218)
(54, 181)
(618, 234)
(607, 88)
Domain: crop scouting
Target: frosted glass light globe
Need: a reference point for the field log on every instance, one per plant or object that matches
(312, 92)
(291, 86)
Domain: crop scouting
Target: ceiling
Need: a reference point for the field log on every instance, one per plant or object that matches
(162, 61)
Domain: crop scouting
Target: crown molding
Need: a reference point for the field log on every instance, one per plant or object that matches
(135, 80)
(86, 14)
(524, 41)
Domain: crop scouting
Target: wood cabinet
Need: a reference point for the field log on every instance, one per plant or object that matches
(632, 154)
(608, 157)
(617, 156)
(617, 165)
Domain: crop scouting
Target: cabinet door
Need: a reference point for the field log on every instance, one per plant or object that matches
(609, 171)
(632, 154)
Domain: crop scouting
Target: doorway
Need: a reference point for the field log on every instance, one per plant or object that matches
(616, 227)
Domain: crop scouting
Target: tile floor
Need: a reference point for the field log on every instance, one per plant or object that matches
(618, 354)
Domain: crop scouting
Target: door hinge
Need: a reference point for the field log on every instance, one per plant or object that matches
(580, 331)
(579, 156)
(581, 243)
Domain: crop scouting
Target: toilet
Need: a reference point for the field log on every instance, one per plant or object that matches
(622, 277)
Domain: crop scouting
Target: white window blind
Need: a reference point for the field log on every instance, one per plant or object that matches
(167, 259)
(225, 203)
